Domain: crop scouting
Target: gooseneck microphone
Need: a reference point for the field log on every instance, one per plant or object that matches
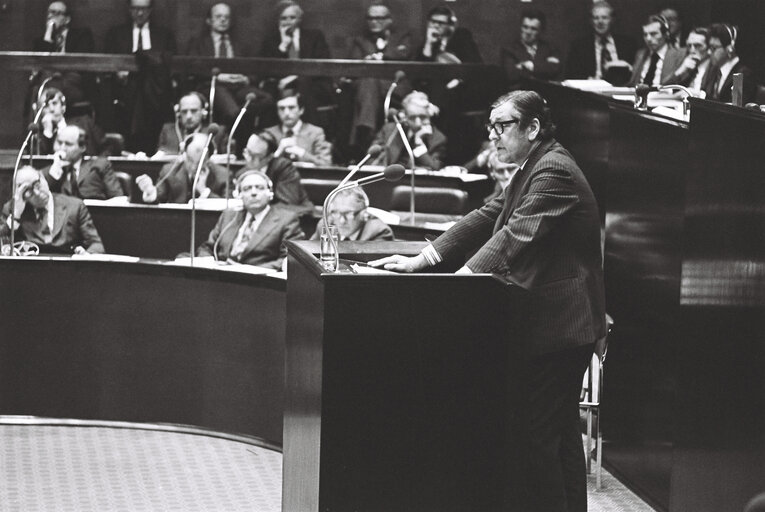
(391, 173)
(410, 152)
(31, 130)
(248, 99)
(400, 75)
(373, 152)
(212, 130)
(213, 83)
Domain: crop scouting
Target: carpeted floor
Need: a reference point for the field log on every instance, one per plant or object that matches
(97, 468)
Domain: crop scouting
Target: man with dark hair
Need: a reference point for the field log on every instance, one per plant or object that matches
(694, 71)
(530, 55)
(592, 55)
(671, 13)
(298, 140)
(177, 178)
(190, 118)
(218, 40)
(445, 41)
(656, 63)
(542, 233)
(71, 175)
(726, 62)
(259, 155)
(56, 222)
(254, 234)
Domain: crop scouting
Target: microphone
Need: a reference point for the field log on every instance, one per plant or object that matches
(44, 84)
(410, 152)
(373, 152)
(248, 99)
(391, 173)
(32, 129)
(400, 75)
(641, 95)
(213, 82)
(212, 130)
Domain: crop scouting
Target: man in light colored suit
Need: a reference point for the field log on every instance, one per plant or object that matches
(542, 233)
(256, 234)
(656, 63)
(71, 175)
(348, 211)
(298, 140)
(56, 222)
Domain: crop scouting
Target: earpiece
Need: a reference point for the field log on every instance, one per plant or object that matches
(733, 33)
(202, 100)
(663, 23)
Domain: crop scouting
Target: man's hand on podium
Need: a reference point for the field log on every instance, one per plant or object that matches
(399, 263)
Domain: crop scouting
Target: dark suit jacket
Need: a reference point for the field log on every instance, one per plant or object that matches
(96, 180)
(372, 229)
(726, 94)
(286, 180)
(72, 226)
(313, 45)
(542, 233)
(672, 60)
(461, 44)
(177, 188)
(202, 45)
(119, 39)
(168, 139)
(266, 246)
(395, 153)
(581, 61)
(547, 64)
(399, 46)
(78, 40)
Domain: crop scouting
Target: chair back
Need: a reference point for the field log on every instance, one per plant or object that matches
(449, 201)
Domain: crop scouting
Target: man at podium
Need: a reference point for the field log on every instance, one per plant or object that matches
(543, 233)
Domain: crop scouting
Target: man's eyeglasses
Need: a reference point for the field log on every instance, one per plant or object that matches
(56, 12)
(346, 216)
(438, 23)
(34, 187)
(377, 18)
(254, 188)
(499, 126)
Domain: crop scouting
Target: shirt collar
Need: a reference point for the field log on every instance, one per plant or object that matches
(726, 68)
(295, 129)
(661, 52)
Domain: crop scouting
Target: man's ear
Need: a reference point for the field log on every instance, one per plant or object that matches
(534, 129)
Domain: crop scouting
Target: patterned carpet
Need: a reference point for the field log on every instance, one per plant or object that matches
(116, 468)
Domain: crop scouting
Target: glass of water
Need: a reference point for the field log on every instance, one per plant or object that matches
(330, 259)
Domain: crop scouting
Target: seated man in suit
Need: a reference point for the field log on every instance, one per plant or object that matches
(348, 211)
(256, 234)
(218, 40)
(53, 119)
(726, 63)
(656, 63)
(176, 178)
(292, 40)
(671, 13)
(427, 141)
(695, 70)
(56, 222)
(190, 117)
(259, 155)
(592, 55)
(298, 140)
(529, 55)
(380, 41)
(70, 175)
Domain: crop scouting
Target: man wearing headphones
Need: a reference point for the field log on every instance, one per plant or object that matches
(176, 178)
(726, 63)
(348, 211)
(298, 140)
(656, 63)
(694, 71)
(191, 113)
(53, 120)
(259, 155)
(256, 234)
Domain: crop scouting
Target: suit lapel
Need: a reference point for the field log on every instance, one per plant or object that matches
(85, 169)
(266, 226)
(59, 217)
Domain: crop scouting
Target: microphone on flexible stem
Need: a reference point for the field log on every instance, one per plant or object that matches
(213, 82)
(45, 83)
(373, 152)
(31, 130)
(248, 99)
(41, 103)
(211, 131)
(408, 147)
(400, 75)
(641, 95)
(391, 173)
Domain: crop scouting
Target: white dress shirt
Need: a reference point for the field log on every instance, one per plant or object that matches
(145, 35)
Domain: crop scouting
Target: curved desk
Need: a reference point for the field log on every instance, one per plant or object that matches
(143, 342)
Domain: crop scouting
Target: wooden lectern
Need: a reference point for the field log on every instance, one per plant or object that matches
(403, 392)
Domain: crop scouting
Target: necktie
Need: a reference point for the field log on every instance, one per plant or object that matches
(716, 85)
(651, 73)
(605, 56)
(73, 182)
(60, 41)
(140, 39)
(240, 245)
(288, 133)
(292, 51)
(223, 47)
(42, 220)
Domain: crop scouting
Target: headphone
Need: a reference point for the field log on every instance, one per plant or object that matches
(733, 33)
(50, 93)
(248, 172)
(663, 23)
(442, 9)
(202, 100)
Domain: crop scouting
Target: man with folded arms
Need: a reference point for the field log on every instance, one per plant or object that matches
(71, 175)
(55, 222)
